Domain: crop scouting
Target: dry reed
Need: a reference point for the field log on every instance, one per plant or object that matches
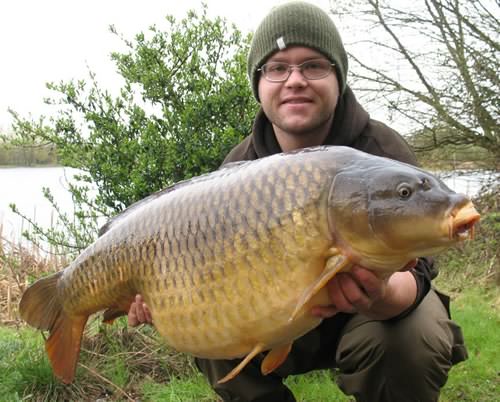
(19, 266)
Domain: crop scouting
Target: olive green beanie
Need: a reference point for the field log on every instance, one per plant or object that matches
(296, 23)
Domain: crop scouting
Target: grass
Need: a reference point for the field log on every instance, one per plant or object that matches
(116, 364)
(317, 386)
(477, 379)
(190, 389)
(122, 364)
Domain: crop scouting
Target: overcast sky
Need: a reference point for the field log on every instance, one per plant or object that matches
(54, 40)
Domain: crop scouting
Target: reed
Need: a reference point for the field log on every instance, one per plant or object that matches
(20, 265)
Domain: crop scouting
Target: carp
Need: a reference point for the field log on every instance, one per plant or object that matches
(231, 262)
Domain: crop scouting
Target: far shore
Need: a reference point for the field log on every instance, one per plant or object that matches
(31, 166)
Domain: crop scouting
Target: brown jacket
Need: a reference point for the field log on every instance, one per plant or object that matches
(353, 127)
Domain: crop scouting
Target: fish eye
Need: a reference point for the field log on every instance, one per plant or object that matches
(404, 191)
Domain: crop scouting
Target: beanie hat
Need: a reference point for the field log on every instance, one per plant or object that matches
(296, 23)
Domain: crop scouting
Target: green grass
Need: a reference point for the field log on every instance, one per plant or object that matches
(115, 364)
(192, 389)
(24, 368)
(318, 386)
(477, 379)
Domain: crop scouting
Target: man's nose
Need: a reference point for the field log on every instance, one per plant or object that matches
(296, 78)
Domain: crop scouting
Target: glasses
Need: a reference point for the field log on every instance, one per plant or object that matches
(277, 71)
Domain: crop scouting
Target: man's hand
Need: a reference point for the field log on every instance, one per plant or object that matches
(361, 291)
(139, 313)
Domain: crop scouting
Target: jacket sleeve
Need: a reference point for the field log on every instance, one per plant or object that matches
(423, 272)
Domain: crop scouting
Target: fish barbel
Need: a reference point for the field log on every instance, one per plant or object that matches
(230, 263)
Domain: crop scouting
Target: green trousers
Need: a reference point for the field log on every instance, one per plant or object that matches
(405, 360)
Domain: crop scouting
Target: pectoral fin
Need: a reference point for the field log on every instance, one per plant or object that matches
(336, 263)
(275, 358)
(234, 372)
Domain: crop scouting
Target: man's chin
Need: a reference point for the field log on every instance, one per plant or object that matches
(299, 128)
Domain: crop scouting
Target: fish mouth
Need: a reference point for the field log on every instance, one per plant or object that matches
(462, 222)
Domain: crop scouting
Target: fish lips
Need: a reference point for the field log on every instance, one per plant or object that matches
(462, 221)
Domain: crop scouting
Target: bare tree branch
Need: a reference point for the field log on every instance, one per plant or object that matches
(431, 63)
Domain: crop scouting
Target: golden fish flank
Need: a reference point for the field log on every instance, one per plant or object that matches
(231, 262)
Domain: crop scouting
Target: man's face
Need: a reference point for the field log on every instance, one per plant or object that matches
(299, 106)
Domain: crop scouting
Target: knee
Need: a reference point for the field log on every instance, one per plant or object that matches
(411, 356)
(402, 348)
(420, 350)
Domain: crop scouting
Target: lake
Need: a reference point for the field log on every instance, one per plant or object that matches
(23, 187)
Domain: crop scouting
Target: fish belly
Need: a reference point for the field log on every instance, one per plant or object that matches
(235, 315)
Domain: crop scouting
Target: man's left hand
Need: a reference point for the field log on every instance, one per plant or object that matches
(361, 291)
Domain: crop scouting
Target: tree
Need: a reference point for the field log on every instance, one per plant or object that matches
(437, 67)
(184, 104)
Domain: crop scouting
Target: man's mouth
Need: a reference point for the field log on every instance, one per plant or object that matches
(296, 101)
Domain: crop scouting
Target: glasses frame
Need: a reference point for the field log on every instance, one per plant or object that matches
(290, 69)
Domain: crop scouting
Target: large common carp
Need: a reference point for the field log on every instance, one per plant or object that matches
(230, 263)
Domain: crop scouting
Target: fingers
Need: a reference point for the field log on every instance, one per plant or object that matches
(147, 314)
(139, 309)
(372, 286)
(132, 316)
(339, 289)
(351, 292)
(139, 313)
(324, 311)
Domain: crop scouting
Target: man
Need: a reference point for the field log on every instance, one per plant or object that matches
(390, 340)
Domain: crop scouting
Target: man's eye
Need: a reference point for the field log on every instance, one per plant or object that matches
(277, 68)
(313, 66)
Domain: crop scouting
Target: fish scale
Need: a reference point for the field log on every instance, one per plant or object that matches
(230, 263)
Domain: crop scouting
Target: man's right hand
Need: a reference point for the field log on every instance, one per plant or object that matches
(139, 313)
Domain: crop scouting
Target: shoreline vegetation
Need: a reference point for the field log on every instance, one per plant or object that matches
(124, 364)
(28, 156)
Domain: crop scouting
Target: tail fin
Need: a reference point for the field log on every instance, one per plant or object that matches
(41, 308)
